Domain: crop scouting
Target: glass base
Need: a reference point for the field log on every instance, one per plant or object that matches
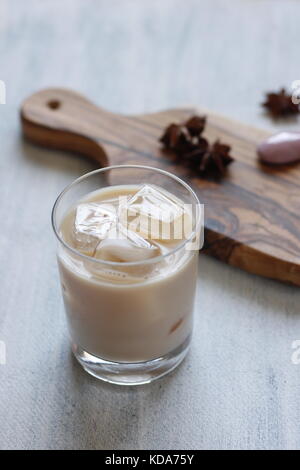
(132, 373)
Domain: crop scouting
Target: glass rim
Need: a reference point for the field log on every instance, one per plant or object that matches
(155, 259)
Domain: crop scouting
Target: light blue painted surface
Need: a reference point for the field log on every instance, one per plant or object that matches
(238, 388)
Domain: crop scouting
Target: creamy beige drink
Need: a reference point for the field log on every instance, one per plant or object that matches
(130, 297)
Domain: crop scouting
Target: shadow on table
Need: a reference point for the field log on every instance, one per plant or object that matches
(56, 160)
(98, 415)
(273, 295)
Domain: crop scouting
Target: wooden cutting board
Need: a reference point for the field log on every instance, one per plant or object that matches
(251, 216)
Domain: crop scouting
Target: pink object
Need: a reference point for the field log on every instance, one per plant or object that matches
(280, 149)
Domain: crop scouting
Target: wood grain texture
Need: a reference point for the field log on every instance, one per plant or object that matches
(251, 216)
(238, 388)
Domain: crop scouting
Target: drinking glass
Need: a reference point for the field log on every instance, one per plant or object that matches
(122, 332)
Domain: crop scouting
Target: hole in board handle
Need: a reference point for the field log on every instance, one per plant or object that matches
(54, 104)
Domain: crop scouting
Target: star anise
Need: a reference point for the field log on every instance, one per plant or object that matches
(195, 125)
(186, 141)
(171, 136)
(280, 104)
(215, 160)
(194, 156)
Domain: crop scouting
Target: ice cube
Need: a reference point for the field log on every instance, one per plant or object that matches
(123, 245)
(92, 224)
(155, 215)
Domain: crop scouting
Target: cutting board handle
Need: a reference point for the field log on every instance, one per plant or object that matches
(63, 119)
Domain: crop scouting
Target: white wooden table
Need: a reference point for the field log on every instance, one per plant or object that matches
(238, 388)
